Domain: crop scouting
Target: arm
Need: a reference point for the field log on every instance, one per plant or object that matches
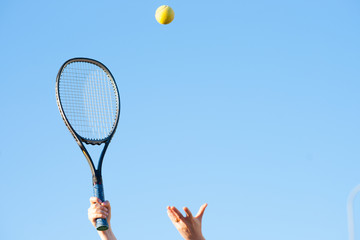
(100, 209)
(189, 227)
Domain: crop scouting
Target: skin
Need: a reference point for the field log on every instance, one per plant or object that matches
(188, 226)
(100, 209)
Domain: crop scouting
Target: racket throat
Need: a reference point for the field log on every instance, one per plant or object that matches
(96, 178)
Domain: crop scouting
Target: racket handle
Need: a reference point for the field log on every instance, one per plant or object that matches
(101, 223)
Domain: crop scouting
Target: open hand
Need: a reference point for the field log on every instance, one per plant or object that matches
(189, 227)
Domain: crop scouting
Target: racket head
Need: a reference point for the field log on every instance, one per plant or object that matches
(88, 99)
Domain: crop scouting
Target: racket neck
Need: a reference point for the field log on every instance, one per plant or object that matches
(101, 158)
(97, 178)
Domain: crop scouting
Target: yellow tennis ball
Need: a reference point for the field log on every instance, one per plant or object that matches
(164, 14)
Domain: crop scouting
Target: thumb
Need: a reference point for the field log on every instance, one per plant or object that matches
(95, 200)
(201, 211)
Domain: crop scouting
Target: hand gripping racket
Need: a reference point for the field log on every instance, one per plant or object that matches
(89, 103)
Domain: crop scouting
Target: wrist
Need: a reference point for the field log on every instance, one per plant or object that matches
(107, 234)
(198, 238)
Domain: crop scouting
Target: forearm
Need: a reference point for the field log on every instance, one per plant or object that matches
(196, 238)
(107, 235)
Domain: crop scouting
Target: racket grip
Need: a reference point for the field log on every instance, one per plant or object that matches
(101, 223)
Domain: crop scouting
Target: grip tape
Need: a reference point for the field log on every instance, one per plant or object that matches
(101, 223)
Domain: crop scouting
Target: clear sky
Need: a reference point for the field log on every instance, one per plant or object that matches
(250, 106)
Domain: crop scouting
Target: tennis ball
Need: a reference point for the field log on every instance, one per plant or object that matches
(164, 14)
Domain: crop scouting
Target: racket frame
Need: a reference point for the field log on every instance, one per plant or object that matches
(96, 172)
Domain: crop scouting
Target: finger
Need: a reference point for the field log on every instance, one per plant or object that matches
(106, 204)
(98, 211)
(177, 213)
(101, 210)
(93, 215)
(99, 215)
(188, 212)
(172, 216)
(201, 211)
(97, 206)
(94, 200)
(105, 209)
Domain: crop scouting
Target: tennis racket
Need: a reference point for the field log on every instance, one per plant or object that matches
(89, 104)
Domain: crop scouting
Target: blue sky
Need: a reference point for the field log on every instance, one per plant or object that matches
(250, 106)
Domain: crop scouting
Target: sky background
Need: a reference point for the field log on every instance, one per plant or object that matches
(250, 106)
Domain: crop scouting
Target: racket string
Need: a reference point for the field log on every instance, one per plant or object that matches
(89, 100)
